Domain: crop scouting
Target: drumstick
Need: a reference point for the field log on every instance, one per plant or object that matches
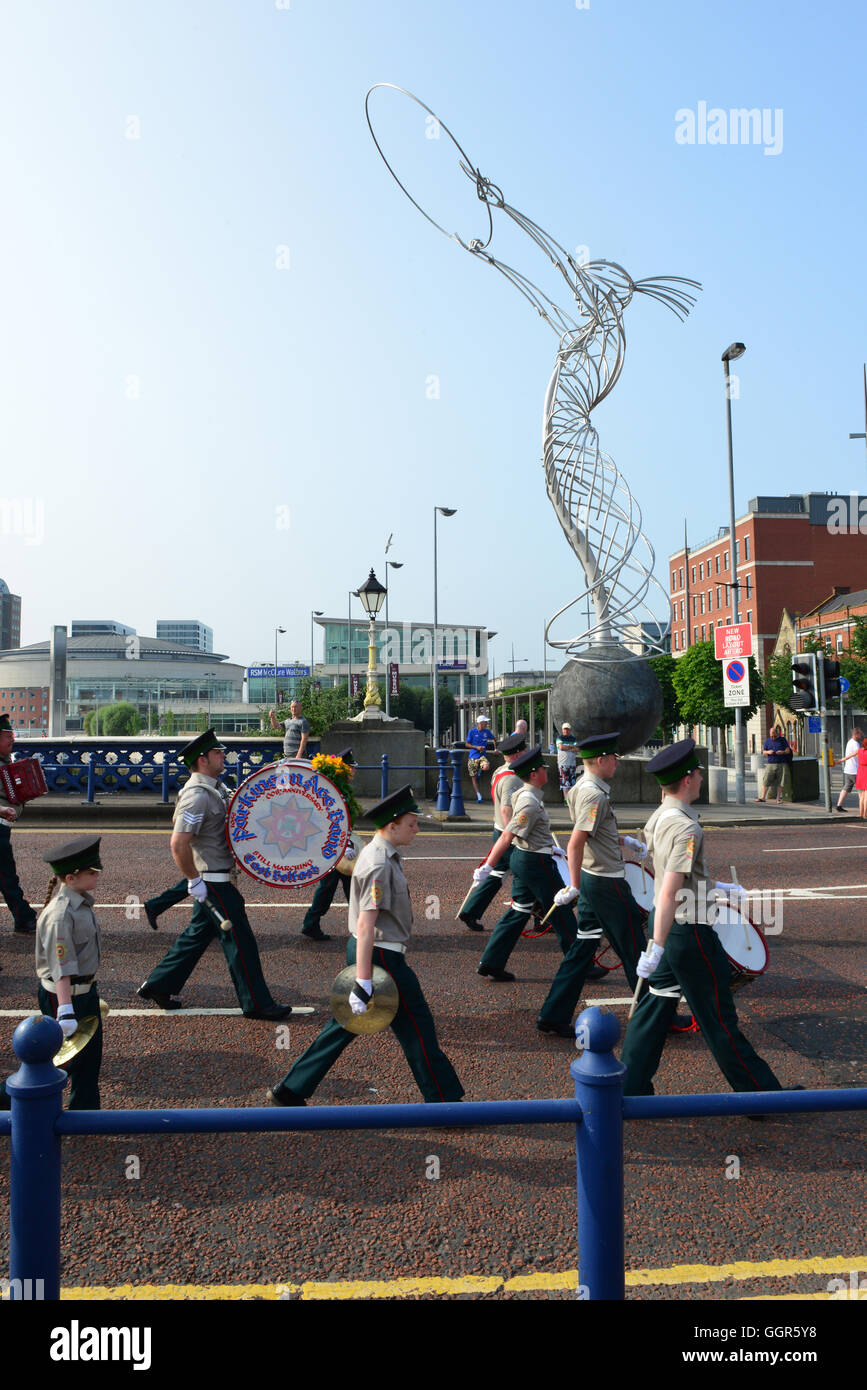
(465, 901)
(635, 997)
(742, 915)
(222, 922)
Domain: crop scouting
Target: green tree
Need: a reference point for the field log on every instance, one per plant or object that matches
(168, 724)
(663, 668)
(447, 709)
(119, 719)
(200, 722)
(698, 685)
(778, 680)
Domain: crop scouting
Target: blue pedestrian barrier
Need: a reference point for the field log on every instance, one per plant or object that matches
(37, 1126)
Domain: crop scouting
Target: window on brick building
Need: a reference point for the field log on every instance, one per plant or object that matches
(694, 605)
(693, 574)
(718, 596)
(680, 585)
(701, 570)
(676, 637)
(701, 601)
(839, 643)
(749, 586)
(710, 600)
(726, 561)
(750, 617)
(717, 564)
(746, 547)
(673, 586)
(702, 633)
(737, 552)
(695, 634)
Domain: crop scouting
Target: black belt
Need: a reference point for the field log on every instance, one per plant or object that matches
(81, 979)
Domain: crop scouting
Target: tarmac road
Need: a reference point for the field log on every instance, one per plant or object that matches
(781, 1200)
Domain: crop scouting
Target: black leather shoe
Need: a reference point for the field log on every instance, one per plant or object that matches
(562, 1030)
(596, 972)
(503, 976)
(153, 920)
(272, 1013)
(281, 1095)
(25, 928)
(315, 934)
(683, 1023)
(472, 922)
(163, 1001)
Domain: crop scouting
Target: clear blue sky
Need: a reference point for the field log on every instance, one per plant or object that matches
(149, 266)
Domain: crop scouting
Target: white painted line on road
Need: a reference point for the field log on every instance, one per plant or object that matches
(161, 1013)
(589, 1003)
(818, 849)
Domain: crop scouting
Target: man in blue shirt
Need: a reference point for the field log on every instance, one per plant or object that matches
(479, 741)
(778, 754)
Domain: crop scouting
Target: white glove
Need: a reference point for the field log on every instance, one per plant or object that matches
(360, 996)
(349, 852)
(7, 812)
(731, 890)
(67, 1020)
(639, 849)
(565, 897)
(649, 960)
(481, 873)
(197, 888)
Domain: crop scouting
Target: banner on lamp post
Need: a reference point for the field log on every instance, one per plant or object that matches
(393, 678)
(355, 685)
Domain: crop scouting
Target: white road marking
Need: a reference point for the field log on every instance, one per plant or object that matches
(160, 1013)
(817, 849)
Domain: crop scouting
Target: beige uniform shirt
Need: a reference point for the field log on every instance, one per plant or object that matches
(201, 812)
(67, 938)
(5, 802)
(379, 885)
(505, 788)
(529, 824)
(591, 811)
(676, 841)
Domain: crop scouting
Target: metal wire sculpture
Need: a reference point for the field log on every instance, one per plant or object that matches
(593, 502)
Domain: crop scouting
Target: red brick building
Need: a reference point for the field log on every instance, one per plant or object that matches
(833, 620)
(27, 707)
(791, 552)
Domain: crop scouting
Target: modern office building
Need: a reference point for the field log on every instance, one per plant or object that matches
(462, 663)
(264, 687)
(10, 617)
(92, 627)
(186, 632)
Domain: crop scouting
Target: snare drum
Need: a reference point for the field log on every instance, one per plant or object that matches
(742, 942)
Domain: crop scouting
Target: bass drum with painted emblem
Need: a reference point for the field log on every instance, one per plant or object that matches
(287, 825)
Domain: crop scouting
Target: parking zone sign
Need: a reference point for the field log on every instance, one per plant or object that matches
(736, 683)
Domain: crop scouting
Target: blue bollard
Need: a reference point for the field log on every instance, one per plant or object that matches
(456, 807)
(598, 1078)
(91, 779)
(165, 787)
(383, 786)
(443, 793)
(34, 1184)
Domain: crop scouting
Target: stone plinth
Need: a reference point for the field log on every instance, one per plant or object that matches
(369, 738)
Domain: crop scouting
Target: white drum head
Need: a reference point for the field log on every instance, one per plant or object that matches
(742, 942)
(641, 884)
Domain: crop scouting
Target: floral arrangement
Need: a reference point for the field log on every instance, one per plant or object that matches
(340, 773)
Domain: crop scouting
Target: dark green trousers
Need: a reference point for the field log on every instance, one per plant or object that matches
(83, 1070)
(413, 1026)
(696, 964)
(170, 898)
(239, 948)
(324, 897)
(484, 893)
(23, 914)
(604, 905)
(535, 879)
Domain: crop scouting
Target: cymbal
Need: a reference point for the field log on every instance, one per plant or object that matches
(70, 1047)
(381, 1009)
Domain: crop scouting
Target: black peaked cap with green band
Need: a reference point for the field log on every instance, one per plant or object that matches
(528, 762)
(675, 762)
(515, 743)
(598, 745)
(346, 756)
(398, 804)
(200, 745)
(73, 855)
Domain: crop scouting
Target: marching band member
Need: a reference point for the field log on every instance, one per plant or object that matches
(200, 850)
(67, 959)
(605, 900)
(504, 786)
(327, 886)
(380, 924)
(23, 916)
(534, 873)
(685, 955)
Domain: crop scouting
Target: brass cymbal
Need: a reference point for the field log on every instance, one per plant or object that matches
(70, 1047)
(381, 1009)
(347, 866)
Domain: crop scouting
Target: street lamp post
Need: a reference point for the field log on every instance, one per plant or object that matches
(371, 594)
(395, 565)
(445, 511)
(731, 354)
(276, 631)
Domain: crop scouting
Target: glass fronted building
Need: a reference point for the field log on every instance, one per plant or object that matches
(186, 632)
(462, 653)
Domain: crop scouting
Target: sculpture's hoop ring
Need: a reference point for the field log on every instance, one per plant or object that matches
(470, 167)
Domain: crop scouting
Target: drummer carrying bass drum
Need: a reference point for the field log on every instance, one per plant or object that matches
(685, 954)
(330, 882)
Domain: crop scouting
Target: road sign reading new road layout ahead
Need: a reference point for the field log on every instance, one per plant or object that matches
(735, 640)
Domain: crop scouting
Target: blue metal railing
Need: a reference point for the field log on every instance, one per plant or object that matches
(37, 1125)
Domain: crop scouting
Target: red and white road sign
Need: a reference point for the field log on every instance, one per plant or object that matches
(733, 641)
(736, 683)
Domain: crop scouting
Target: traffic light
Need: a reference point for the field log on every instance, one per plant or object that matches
(831, 678)
(804, 682)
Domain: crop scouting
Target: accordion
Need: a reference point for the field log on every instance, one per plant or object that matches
(22, 781)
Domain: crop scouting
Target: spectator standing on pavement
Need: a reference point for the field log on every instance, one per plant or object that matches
(567, 758)
(778, 753)
(479, 742)
(297, 731)
(861, 781)
(850, 765)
